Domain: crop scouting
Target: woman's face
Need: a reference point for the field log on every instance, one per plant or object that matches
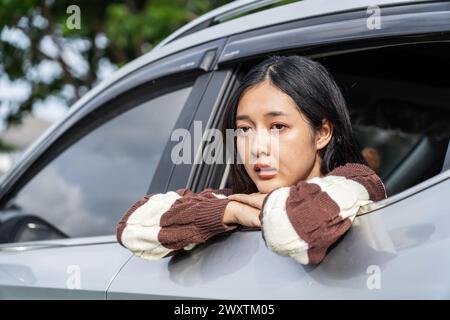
(275, 141)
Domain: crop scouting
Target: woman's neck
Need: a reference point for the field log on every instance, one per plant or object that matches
(315, 171)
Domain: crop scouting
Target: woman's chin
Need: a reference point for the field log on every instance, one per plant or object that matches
(266, 186)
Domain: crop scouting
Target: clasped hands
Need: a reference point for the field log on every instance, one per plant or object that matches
(244, 209)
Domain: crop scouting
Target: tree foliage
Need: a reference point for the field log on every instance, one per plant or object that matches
(111, 33)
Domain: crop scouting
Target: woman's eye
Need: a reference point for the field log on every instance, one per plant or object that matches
(278, 127)
(243, 130)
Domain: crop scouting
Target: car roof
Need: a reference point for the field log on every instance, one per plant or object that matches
(230, 10)
(305, 9)
(289, 12)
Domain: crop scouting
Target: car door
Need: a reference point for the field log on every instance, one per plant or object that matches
(396, 251)
(59, 211)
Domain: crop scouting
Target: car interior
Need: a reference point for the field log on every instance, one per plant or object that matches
(399, 102)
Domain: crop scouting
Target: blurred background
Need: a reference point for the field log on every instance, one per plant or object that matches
(47, 61)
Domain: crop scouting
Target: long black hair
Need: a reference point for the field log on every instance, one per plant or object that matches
(317, 97)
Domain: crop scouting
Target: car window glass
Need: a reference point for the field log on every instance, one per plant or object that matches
(87, 188)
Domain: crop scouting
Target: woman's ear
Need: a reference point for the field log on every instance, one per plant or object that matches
(324, 134)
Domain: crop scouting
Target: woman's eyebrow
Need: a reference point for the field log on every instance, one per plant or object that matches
(242, 117)
(268, 114)
(275, 114)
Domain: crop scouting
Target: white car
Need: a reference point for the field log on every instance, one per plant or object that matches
(60, 204)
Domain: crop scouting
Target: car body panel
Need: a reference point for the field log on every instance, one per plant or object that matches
(63, 269)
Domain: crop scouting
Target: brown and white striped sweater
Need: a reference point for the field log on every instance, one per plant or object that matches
(300, 221)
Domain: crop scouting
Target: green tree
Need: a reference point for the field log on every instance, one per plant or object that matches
(111, 32)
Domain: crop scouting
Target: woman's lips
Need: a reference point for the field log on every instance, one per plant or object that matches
(266, 173)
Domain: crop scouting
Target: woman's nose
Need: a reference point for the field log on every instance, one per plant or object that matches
(261, 143)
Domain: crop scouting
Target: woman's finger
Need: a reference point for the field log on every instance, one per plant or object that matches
(237, 197)
(243, 198)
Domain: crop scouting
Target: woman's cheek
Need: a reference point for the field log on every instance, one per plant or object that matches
(293, 158)
(243, 150)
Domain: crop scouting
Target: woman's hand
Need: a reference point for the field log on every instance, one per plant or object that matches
(244, 209)
(254, 199)
(241, 213)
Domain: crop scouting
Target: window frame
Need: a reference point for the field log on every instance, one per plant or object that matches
(210, 112)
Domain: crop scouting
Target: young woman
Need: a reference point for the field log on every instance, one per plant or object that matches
(303, 191)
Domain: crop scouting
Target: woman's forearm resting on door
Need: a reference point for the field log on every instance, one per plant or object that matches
(303, 221)
(158, 225)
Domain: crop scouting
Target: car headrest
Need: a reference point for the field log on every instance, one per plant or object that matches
(418, 165)
(405, 159)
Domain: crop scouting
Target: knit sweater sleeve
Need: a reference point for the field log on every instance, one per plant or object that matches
(160, 224)
(304, 220)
